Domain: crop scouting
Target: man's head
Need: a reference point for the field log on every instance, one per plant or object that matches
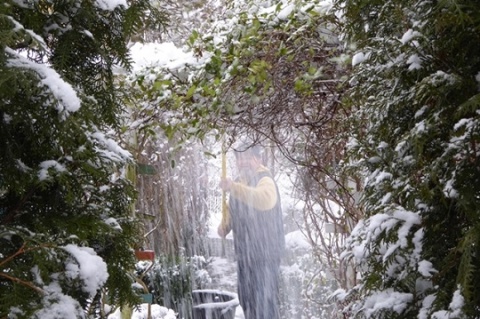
(249, 158)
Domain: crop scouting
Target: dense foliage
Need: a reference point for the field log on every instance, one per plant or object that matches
(65, 204)
(273, 71)
(416, 95)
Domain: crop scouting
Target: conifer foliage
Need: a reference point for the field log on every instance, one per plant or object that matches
(65, 227)
(416, 86)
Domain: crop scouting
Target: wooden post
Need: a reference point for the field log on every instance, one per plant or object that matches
(126, 311)
(224, 195)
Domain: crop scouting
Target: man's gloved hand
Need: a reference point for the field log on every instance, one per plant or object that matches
(221, 231)
(225, 184)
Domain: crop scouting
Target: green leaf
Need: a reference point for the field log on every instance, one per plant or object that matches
(190, 92)
(210, 154)
(159, 85)
(193, 37)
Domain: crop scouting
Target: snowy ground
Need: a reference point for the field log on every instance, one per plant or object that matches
(239, 313)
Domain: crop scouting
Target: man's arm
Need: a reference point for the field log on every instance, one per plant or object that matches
(262, 197)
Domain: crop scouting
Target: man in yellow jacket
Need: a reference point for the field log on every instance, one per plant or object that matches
(255, 217)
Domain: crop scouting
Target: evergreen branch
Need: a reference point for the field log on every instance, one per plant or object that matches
(23, 282)
(20, 251)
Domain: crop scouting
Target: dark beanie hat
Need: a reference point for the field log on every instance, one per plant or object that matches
(255, 150)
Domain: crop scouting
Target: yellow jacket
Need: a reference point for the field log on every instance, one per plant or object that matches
(261, 197)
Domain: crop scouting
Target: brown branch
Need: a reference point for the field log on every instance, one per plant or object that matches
(22, 282)
(20, 251)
